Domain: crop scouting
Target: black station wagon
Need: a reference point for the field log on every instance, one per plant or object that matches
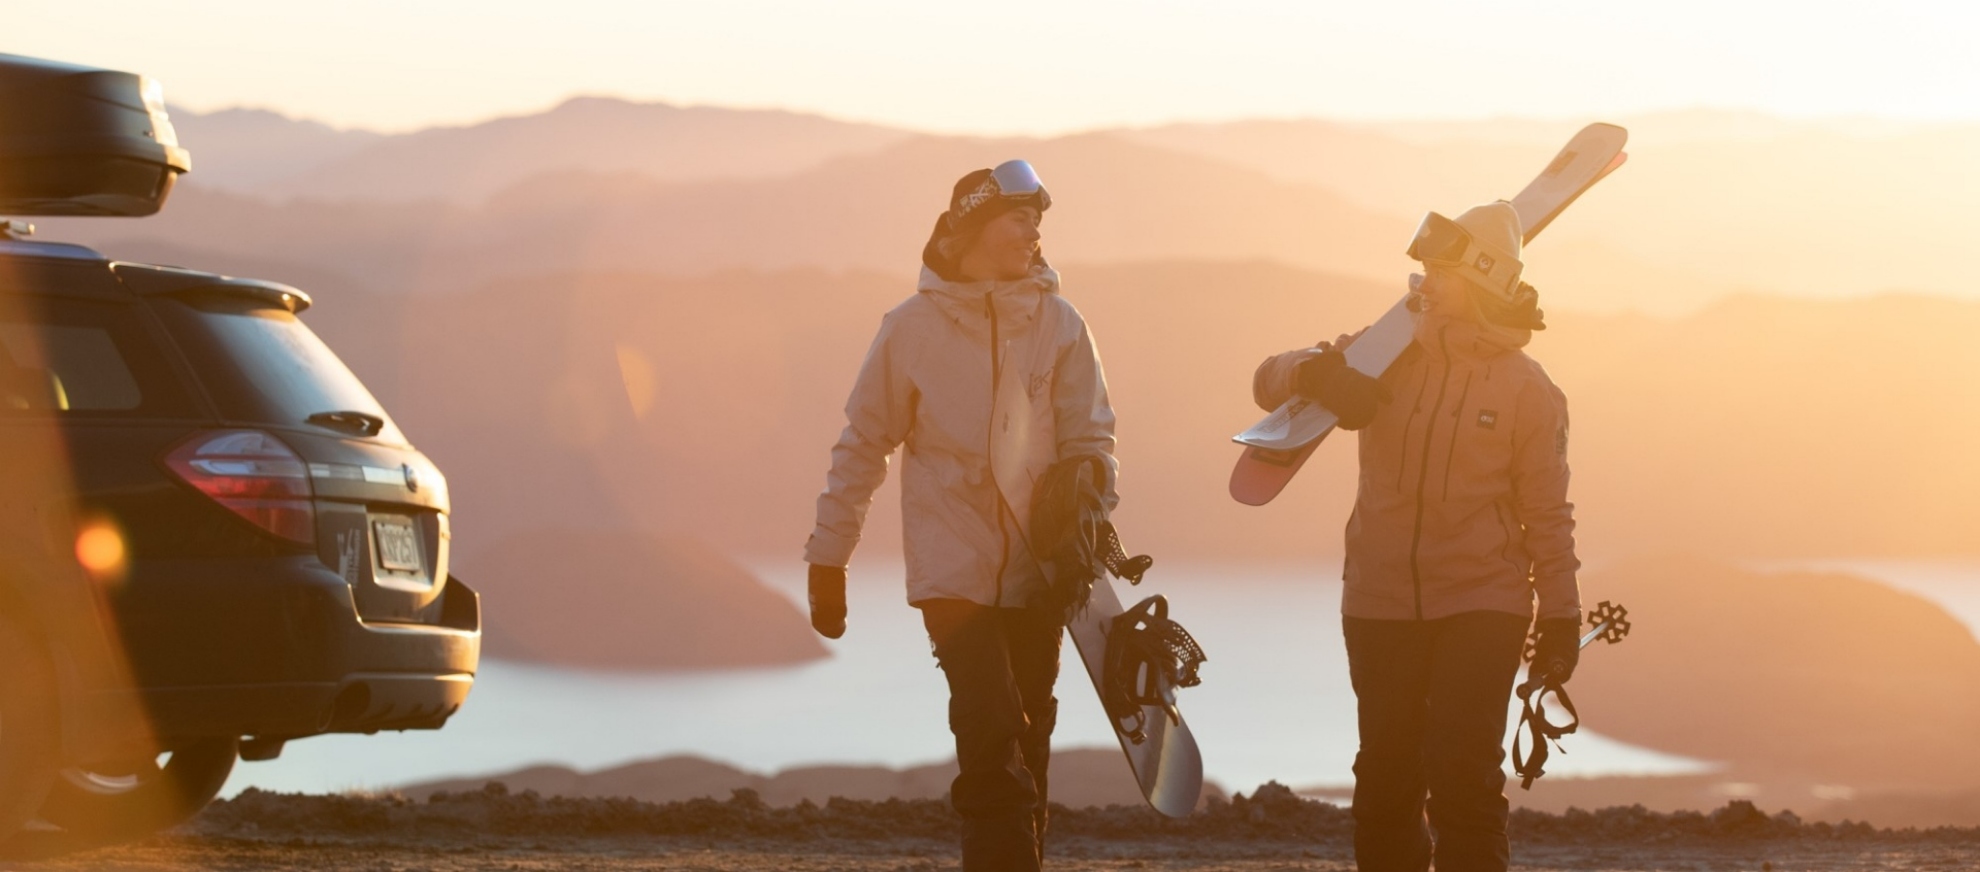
(213, 539)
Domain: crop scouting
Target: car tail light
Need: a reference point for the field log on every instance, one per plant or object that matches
(254, 475)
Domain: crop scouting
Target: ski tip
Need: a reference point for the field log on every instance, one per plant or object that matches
(1614, 165)
(1604, 127)
(1261, 473)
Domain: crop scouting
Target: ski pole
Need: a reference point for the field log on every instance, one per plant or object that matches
(1611, 625)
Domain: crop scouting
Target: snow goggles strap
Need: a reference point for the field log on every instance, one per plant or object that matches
(1010, 180)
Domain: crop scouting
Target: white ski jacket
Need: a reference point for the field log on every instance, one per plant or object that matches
(987, 384)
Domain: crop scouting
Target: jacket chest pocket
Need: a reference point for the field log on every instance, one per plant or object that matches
(1478, 461)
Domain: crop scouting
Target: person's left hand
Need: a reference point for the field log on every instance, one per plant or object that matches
(1558, 648)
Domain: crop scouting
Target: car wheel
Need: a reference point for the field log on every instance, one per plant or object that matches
(27, 728)
(140, 797)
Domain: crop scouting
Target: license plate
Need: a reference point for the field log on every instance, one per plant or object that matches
(397, 544)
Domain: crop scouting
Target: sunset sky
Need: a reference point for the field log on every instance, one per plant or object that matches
(1028, 66)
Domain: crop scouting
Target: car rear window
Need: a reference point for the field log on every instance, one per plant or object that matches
(82, 358)
(263, 365)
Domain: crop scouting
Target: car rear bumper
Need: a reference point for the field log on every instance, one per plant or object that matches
(274, 647)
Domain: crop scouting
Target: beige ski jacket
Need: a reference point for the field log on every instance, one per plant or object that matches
(1462, 504)
(986, 384)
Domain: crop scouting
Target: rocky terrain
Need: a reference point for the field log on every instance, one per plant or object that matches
(493, 828)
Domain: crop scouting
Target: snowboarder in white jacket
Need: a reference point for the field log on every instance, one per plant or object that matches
(986, 376)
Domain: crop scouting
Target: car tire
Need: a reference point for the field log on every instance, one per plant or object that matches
(143, 797)
(28, 723)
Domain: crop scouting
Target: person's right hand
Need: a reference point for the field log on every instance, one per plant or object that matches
(826, 587)
(1347, 392)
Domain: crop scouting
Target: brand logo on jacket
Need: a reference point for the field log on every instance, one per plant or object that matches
(1488, 419)
(1040, 383)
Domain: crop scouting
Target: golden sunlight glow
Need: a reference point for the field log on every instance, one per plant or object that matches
(640, 380)
(1030, 66)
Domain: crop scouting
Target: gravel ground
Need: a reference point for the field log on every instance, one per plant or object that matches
(492, 829)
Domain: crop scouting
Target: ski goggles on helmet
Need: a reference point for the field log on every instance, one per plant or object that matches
(1442, 242)
(1011, 180)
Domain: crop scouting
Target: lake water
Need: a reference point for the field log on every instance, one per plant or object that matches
(1274, 704)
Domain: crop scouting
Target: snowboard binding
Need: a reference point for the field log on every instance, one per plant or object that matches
(1148, 657)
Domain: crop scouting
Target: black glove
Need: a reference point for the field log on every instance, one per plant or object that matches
(1558, 648)
(1347, 392)
(827, 589)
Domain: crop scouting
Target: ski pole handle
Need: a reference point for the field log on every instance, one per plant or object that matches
(1535, 682)
(1611, 624)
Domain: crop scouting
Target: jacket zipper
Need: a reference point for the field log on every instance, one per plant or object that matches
(1415, 409)
(1423, 473)
(1456, 428)
(990, 448)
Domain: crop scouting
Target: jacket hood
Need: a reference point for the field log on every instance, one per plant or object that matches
(1464, 336)
(1017, 301)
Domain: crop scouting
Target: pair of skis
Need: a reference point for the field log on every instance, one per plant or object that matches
(1277, 446)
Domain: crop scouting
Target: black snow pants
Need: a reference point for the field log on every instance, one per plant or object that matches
(1001, 665)
(1432, 698)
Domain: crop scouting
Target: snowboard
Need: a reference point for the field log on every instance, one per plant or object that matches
(1166, 763)
(1277, 446)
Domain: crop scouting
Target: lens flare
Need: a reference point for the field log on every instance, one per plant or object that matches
(100, 549)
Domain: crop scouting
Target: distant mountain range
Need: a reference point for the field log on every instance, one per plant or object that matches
(263, 154)
(1081, 777)
(1712, 203)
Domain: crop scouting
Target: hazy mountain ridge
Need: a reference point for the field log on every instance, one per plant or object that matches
(465, 164)
(617, 600)
(247, 150)
(1710, 204)
(869, 212)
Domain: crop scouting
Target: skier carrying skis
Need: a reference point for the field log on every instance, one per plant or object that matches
(1461, 525)
(987, 376)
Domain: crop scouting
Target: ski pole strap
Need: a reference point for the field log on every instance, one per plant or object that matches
(1533, 721)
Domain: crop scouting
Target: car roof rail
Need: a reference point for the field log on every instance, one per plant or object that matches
(149, 280)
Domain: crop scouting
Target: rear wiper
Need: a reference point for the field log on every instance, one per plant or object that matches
(361, 423)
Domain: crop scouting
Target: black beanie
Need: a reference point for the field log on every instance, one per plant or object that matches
(973, 202)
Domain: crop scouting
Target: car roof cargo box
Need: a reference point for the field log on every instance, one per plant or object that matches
(82, 141)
